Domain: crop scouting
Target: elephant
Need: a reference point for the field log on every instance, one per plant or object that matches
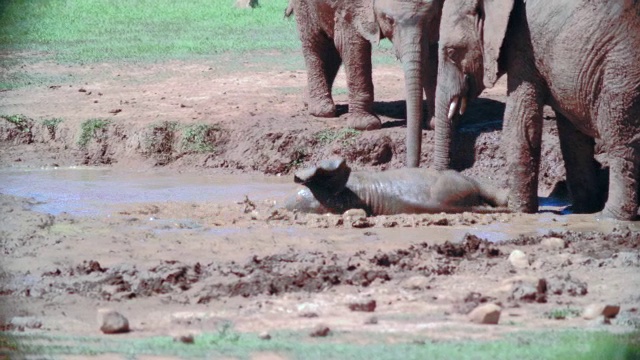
(336, 31)
(331, 187)
(580, 57)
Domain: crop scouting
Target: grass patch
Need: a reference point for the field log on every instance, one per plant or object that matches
(97, 30)
(21, 122)
(346, 136)
(564, 313)
(228, 343)
(199, 138)
(90, 129)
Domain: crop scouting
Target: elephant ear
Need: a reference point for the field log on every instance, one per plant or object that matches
(494, 29)
(330, 174)
(364, 21)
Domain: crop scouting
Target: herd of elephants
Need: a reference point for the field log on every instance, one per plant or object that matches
(580, 57)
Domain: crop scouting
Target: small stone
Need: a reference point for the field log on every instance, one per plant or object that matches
(518, 259)
(184, 338)
(26, 322)
(264, 335)
(485, 314)
(365, 306)
(354, 213)
(553, 243)
(418, 282)
(320, 330)
(112, 322)
(595, 310)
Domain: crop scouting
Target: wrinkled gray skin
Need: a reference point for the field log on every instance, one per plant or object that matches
(341, 31)
(331, 187)
(580, 57)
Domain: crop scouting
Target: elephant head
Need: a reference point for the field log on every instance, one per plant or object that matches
(472, 32)
(412, 26)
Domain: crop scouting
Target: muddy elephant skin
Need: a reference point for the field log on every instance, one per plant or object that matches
(331, 187)
(581, 58)
(333, 32)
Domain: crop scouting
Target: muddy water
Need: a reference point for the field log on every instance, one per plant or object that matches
(85, 191)
(95, 191)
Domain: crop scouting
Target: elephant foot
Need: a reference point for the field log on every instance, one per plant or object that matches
(363, 121)
(324, 108)
(619, 213)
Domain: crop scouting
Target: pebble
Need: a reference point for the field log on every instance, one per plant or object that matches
(320, 330)
(364, 306)
(519, 259)
(371, 320)
(112, 322)
(593, 311)
(184, 338)
(485, 314)
(264, 335)
(553, 243)
(418, 282)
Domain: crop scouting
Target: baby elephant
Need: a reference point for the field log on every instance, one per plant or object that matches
(331, 187)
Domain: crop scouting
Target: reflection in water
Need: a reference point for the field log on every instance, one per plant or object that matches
(91, 191)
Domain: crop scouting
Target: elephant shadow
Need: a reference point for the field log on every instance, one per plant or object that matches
(483, 115)
(396, 110)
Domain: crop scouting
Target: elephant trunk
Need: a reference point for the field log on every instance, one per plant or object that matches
(451, 101)
(443, 130)
(411, 55)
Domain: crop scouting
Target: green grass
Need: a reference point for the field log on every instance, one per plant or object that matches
(90, 129)
(96, 30)
(199, 137)
(564, 313)
(20, 121)
(346, 136)
(228, 343)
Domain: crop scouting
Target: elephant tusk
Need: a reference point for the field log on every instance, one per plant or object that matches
(452, 107)
(463, 105)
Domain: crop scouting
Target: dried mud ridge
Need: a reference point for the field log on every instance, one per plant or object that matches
(294, 271)
(275, 146)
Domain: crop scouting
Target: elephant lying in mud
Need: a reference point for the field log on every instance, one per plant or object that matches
(331, 187)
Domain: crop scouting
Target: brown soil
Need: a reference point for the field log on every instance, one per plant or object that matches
(259, 266)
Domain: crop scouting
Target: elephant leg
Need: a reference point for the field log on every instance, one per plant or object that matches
(578, 154)
(322, 61)
(356, 53)
(429, 81)
(522, 137)
(619, 126)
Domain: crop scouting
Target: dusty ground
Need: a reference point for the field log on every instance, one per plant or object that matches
(259, 266)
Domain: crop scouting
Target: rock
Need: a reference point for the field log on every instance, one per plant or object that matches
(264, 335)
(365, 306)
(485, 314)
(418, 282)
(112, 322)
(354, 213)
(371, 320)
(595, 310)
(356, 218)
(184, 338)
(26, 322)
(553, 243)
(519, 259)
(529, 291)
(320, 330)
